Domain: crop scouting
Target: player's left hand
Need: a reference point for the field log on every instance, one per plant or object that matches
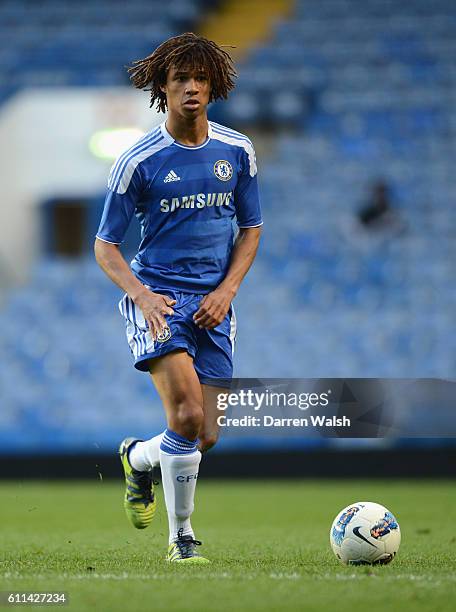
(213, 309)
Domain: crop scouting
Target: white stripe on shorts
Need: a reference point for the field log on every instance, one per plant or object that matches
(138, 336)
(233, 329)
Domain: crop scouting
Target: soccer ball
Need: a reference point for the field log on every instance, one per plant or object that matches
(365, 533)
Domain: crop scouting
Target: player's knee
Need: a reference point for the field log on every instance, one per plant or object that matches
(207, 441)
(188, 418)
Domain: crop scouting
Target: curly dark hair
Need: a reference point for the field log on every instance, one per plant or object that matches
(187, 51)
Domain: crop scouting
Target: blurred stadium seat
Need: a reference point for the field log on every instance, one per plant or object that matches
(364, 89)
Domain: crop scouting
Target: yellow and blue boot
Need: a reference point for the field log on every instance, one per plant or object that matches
(182, 550)
(139, 500)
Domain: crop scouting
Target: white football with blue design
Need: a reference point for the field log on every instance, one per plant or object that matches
(365, 533)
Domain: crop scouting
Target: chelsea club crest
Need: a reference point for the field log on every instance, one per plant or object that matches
(165, 335)
(223, 170)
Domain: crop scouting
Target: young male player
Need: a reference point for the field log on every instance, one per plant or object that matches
(186, 181)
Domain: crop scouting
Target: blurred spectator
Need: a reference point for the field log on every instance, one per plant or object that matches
(378, 213)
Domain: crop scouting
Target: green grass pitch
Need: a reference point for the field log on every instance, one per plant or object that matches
(268, 542)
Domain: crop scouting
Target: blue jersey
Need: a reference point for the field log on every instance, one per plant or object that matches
(186, 199)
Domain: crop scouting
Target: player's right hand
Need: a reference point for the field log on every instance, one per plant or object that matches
(154, 307)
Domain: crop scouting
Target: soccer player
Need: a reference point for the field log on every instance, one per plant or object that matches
(186, 181)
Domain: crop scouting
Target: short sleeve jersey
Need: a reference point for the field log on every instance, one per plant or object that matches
(186, 199)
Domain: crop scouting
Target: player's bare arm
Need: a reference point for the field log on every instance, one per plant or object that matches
(215, 305)
(154, 306)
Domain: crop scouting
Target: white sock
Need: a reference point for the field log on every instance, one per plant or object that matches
(179, 475)
(146, 455)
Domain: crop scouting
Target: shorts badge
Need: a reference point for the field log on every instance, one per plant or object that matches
(165, 335)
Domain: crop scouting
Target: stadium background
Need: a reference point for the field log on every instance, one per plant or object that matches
(336, 95)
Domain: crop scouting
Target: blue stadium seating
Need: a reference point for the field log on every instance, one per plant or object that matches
(365, 90)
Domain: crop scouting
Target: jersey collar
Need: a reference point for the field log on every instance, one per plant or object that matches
(171, 140)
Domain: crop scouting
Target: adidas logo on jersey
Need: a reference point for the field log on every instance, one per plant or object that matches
(171, 176)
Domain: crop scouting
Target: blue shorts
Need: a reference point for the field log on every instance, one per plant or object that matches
(211, 349)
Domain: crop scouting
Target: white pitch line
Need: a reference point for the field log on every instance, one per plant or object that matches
(423, 579)
(152, 576)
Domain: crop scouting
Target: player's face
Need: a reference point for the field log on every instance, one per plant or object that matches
(187, 92)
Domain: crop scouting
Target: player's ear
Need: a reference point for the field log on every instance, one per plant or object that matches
(164, 80)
